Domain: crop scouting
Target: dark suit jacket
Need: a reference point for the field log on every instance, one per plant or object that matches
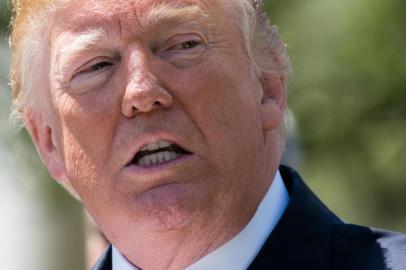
(310, 237)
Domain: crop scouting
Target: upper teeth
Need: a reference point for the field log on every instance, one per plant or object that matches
(157, 158)
(155, 146)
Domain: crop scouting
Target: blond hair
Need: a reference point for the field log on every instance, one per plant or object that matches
(264, 47)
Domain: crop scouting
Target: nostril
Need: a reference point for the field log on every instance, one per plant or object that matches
(145, 99)
(156, 104)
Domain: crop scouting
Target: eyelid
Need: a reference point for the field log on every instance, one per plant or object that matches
(177, 40)
(89, 68)
(94, 61)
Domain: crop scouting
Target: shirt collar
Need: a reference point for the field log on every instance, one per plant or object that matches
(240, 251)
(119, 262)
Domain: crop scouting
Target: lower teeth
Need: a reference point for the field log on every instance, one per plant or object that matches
(158, 158)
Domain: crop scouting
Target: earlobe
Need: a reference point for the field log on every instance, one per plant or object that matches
(41, 135)
(273, 101)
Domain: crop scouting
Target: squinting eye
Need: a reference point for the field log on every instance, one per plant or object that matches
(189, 44)
(100, 66)
(182, 50)
(97, 67)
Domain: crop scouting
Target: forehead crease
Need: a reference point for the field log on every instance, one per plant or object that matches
(138, 14)
(83, 20)
(97, 11)
(83, 41)
(171, 13)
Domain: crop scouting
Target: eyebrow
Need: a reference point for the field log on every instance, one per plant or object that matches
(165, 13)
(85, 41)
(161, 14)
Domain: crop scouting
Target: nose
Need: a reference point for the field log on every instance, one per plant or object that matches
(144, 93)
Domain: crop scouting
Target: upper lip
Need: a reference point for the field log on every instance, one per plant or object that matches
(146, 139)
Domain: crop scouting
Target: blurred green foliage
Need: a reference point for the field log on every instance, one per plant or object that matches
(348, 96)
(5, 13)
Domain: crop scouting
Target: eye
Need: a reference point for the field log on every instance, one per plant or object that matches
(189, 44)
(94, 73)
(183, 50)
(96, 67)
(185, 46)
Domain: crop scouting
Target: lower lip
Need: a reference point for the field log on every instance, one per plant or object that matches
(134, 168)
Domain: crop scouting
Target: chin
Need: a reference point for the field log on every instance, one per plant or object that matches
(167, 207)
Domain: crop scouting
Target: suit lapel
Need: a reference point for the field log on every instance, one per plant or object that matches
(303, 238)
(104, 262)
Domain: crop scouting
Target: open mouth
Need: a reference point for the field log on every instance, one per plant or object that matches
(158, 153)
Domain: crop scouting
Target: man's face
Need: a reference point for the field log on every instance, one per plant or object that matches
(156, 115)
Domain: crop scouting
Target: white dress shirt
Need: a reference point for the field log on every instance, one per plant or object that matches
(239, 252)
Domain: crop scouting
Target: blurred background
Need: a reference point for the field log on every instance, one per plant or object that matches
(347, 122)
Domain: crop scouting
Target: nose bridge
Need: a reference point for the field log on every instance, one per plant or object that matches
(138, 68)
(140, 80)
(143, 91)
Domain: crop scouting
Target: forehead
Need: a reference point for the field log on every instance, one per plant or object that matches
(79, 14)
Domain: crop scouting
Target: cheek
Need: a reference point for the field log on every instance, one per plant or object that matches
(223, 101)
(81, 168)
(87, 132)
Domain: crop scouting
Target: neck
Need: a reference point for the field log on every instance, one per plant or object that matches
(179, 249)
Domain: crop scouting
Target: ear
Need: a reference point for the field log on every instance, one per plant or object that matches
(42, 137)
(273, 102)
